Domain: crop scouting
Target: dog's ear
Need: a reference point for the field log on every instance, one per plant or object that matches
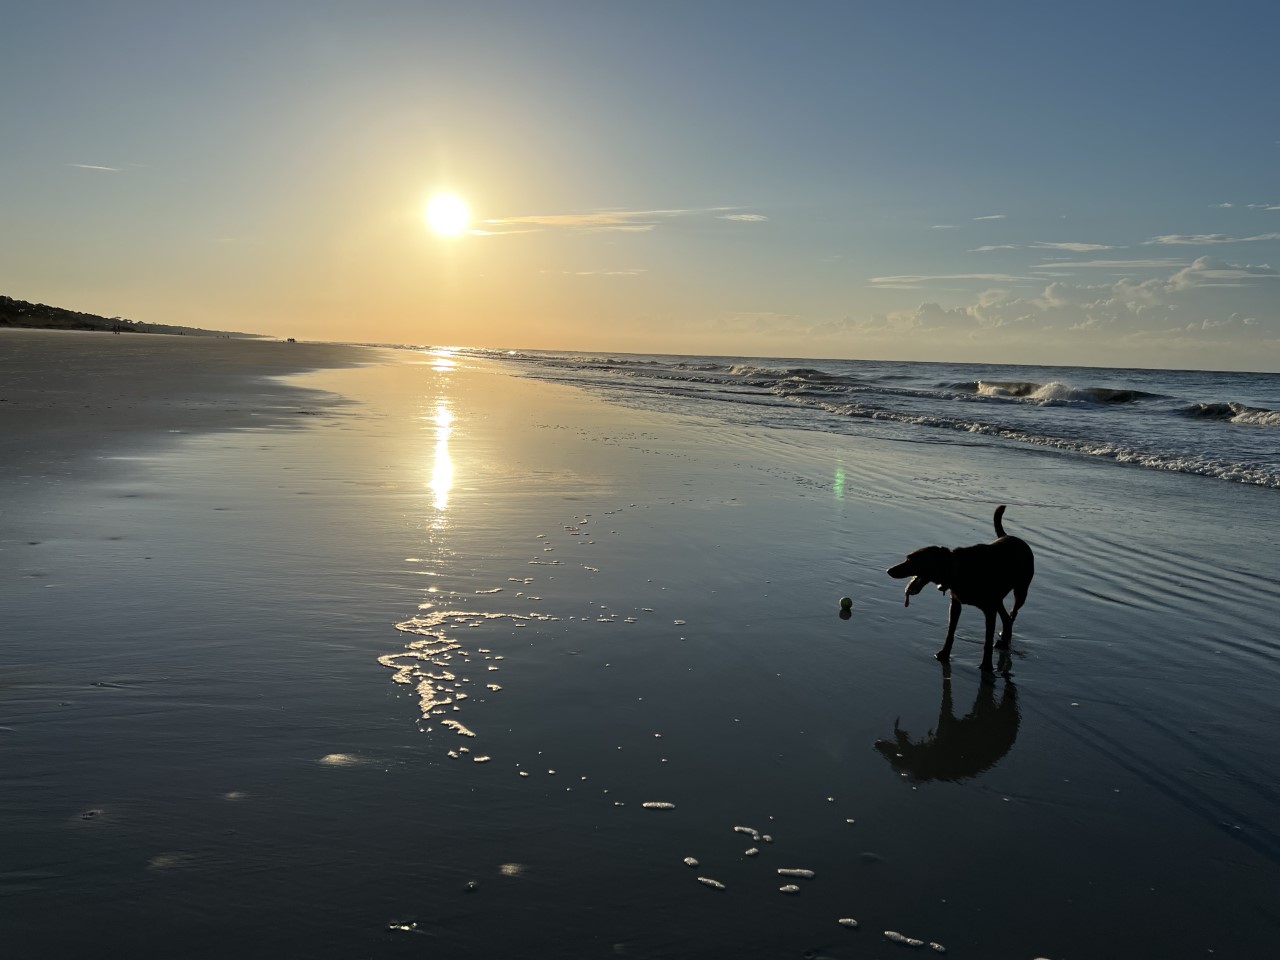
(913, 587)
(926, 565)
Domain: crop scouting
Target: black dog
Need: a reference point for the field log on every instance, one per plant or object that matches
(981, 576)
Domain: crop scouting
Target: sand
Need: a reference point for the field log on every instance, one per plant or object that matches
(70, 396)
(206, 749)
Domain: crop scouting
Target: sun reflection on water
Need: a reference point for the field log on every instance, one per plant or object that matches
(442, 469)
(442, 358)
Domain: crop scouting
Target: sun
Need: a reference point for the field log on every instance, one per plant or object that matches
(447, 214)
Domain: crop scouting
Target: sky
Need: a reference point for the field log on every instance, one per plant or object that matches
(1074, 183)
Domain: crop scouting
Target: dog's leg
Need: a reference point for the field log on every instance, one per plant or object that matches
(1004, 668)
(953, 618)
(1019, 598)
(987, 668)
(1006, 627)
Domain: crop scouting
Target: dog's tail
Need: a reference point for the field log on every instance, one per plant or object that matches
(999, 526)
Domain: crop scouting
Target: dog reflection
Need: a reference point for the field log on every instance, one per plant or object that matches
(959, 747)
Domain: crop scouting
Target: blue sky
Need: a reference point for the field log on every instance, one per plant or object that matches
(1085, 183)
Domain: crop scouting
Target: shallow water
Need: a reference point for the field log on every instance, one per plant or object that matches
(206, 748)
(1224, 425)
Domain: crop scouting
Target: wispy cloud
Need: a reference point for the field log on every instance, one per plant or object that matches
(985, 248)
(1073, 247)
(598, 220)
(912, 281)
(1167, 263)
(94, 166)
(627, 221)
(1203, 239)
(991, 216)
(745, 217)
(943, 226)
(1246, 206)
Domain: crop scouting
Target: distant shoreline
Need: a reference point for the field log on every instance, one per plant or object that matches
(24, 315)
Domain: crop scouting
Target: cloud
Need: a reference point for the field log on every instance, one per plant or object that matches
(913, 280)
(1202, 239)
(994, 246)
(991, 216)
(626, 221)
(1152, 264)
(93, 166)
(1208, 272)
(1149, 311)
(1235, 320)
(943, 226)
(599, 220)
(1073, 247)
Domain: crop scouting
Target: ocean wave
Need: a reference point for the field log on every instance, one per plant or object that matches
(780, 373)
(1058, 392)
(1179, 462)
(1233, 413)
(701, 367)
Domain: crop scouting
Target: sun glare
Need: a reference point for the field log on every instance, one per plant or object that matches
(447, 214)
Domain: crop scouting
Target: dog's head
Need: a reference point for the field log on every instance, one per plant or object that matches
(924, 566)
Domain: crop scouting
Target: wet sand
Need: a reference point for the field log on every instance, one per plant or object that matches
(67, 397)
(238, 675)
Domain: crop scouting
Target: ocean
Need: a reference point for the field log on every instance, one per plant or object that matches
(1222, 425)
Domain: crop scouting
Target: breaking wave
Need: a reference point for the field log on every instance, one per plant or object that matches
(1233, 413)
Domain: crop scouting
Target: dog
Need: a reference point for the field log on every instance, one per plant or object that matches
(981, 576)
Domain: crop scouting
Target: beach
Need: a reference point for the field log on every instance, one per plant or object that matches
(403, 652)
